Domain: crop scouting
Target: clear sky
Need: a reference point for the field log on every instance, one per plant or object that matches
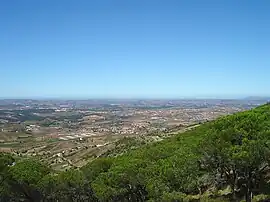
(134, 48)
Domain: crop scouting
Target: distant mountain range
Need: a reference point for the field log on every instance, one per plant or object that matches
(257, 98)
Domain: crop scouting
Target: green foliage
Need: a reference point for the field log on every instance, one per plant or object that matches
(95, 168)
(67, 186)
(125, 145)
(5, 161)
(23, 179)
(28, 171)
(237, 151)
(174, 197)
(260, 197)
(223, 160)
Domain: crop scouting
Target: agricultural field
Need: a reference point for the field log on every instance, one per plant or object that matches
(68, 134)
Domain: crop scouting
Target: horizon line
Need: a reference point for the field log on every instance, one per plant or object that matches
(136, 98)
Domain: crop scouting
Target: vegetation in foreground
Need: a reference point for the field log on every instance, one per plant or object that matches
(223, 160)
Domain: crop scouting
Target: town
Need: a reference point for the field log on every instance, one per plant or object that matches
(70, 133)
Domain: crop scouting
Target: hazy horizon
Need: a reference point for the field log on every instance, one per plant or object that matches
(139, 98)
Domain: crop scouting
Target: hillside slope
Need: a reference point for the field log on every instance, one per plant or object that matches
(172, 166)
(226, 160)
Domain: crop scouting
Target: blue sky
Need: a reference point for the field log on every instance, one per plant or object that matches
(129, 49)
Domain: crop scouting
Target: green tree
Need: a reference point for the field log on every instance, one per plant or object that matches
(95, 168)
(238, 158)
(5, 162)
(24, 177)
(123, 182)
(70, 186)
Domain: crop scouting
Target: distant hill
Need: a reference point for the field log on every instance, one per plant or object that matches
(258, 98)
